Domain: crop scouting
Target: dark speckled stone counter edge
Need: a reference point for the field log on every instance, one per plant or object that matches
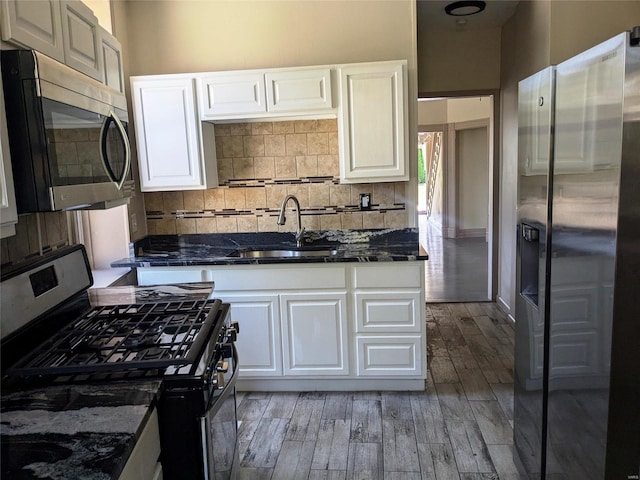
(73, 431)
(378, 245)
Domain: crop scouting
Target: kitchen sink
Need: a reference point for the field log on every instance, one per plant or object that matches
(285, 253)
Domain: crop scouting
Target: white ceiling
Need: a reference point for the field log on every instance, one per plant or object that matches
(431, 15)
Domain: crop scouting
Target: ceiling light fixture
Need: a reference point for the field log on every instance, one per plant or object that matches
(464, 8)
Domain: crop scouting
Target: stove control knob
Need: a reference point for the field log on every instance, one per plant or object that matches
(226, 350)
(232, 334)
(222, 366)
(218, 380)
(235, 326)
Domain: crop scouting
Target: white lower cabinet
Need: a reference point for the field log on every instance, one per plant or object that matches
(390, 319)
(144, 461)
(314, 328)
(333, 326)
(259, 342)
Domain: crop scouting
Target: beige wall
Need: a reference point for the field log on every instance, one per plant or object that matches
(473, 173)
(432, 112)
(437, 112)
(466, 109)
(579, 25)
(102, 10)
(207, 35)
(460, 60)
(542, 33)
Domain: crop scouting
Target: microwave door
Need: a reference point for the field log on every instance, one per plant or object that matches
(79, 142)
(115, 151)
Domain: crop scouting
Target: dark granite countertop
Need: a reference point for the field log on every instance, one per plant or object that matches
(73, 431)
(378, 245)
(177, 292)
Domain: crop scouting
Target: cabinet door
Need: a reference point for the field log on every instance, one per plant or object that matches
(81, 38)
(299, 91)
(390, 355)
(259, 341)
(167, 137)
(231, 94)
(314, 331)
(111, 52)
(35, 24)
(372, 122)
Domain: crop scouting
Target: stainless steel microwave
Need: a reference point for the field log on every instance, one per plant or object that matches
(68, 136)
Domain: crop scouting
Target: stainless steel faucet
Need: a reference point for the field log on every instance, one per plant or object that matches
(282, 219)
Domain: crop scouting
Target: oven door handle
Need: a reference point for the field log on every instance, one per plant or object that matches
(214, 402)
(213, 405)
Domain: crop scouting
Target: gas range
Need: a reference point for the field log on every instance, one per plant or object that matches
(125, 337)
(55, 336)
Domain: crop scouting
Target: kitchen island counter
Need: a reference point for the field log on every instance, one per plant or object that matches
(73, 431)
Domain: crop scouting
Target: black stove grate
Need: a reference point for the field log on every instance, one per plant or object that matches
(124, 337)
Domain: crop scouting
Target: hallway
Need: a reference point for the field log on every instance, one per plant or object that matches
(457, 267)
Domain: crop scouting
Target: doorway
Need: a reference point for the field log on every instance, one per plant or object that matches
(455, 199)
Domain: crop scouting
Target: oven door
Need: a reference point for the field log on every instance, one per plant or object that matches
(219, 427)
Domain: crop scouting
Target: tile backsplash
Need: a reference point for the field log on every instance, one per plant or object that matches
(35, 233)
(258, 165)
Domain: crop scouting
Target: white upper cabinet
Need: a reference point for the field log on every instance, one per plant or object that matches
(372, 122)
(231, 93)
(299, 90)
(35, 24)
(174, 153)
(111, 52)
(81, 38)
(66, 30)
(264, 93)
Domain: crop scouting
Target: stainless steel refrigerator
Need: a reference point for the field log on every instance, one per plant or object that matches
(577, 352)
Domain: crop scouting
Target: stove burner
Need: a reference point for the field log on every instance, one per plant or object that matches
(124, 337)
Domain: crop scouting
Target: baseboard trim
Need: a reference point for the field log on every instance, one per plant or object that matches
(471, 232)
(504, 306)
(328, 385)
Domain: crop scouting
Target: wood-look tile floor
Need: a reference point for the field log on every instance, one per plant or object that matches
(460, 427)
(457, 267)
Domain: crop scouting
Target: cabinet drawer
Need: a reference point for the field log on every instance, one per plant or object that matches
(286, 277)
(389, 275)
(383, 311)
(160, 276)
(389, 356)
